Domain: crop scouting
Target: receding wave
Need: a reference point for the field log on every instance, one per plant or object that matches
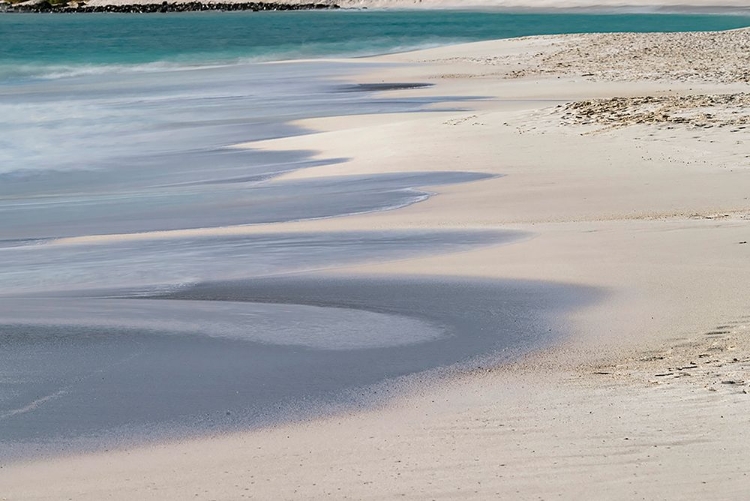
(54, 71)
(276, 324)
(348, 49)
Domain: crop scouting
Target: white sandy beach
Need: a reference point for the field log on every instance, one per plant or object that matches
(645, 198)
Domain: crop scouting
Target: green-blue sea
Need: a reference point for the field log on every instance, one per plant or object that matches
(37, 44)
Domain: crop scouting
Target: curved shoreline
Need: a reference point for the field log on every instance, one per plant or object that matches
(658, 212)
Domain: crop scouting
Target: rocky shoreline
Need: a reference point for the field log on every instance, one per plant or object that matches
(146, 8)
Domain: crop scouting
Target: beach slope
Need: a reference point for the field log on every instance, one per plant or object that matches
(626, 156)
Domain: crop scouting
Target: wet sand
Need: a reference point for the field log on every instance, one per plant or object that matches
(93, 373)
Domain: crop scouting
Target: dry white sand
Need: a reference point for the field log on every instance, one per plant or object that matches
(647, 399)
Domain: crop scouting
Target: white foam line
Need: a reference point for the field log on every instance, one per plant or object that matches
(33, 405)
(59, 393)
(241, 229)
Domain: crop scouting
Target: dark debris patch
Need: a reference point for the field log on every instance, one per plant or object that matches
(382, 87)
(47, 6)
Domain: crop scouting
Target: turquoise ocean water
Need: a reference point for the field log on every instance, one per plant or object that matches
(33, 45)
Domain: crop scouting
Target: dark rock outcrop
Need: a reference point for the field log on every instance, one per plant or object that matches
(46, 6)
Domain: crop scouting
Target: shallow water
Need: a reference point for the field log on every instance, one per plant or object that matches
(103, 372)
(142, 152)
(142, 266)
